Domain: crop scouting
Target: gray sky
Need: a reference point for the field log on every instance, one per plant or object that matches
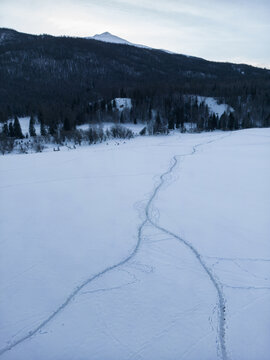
(222, 30)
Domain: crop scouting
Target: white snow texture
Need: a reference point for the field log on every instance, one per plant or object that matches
(154, 249)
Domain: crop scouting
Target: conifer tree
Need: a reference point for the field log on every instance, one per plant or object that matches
(109, 107)
(67, 124)
(157, 125)
(171, 122)
(231, 122)
(43, 131)
(150, 112)
(52, 129)
(10, 130)
(122, 93)
(215, 122)
(17, 129)
(223, 121)
(5, 130)
(32, 130)
(122, 118)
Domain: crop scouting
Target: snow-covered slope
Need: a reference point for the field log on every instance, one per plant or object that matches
(108, 37)
(214, 106)
(117, 252)
(122, 103)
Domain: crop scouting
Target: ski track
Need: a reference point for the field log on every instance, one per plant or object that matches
(148, 219)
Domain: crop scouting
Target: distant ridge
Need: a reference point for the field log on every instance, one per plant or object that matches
(62, 72)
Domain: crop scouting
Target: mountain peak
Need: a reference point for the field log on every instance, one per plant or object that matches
(105, 33)
(110, 38)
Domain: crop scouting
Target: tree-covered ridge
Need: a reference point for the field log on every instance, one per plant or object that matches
(73, 80)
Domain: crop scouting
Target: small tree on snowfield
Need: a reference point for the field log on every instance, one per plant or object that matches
(17, 129)
(32, 130)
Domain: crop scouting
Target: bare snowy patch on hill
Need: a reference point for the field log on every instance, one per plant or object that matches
(214, 106)
(122, 103)
(24, 122)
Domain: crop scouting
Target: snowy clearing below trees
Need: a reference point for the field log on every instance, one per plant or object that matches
(156, 249)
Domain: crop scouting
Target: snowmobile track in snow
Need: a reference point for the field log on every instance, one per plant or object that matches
(217, 285)
(148, 219)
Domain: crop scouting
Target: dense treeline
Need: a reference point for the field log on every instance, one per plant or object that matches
(69, 81)
(93, 135)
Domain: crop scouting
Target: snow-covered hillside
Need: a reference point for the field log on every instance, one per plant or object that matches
(155, 249)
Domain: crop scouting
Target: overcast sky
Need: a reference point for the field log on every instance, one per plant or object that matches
(222, 30)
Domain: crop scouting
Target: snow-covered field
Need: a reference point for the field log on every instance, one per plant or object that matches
(154, 249)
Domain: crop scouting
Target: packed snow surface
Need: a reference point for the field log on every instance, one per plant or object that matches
(154, 249)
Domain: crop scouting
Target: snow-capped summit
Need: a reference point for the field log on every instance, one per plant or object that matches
(108, 37)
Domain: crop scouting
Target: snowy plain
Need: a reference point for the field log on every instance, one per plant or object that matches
(154, 249)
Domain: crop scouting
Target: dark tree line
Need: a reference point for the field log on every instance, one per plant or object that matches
(70, 138)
